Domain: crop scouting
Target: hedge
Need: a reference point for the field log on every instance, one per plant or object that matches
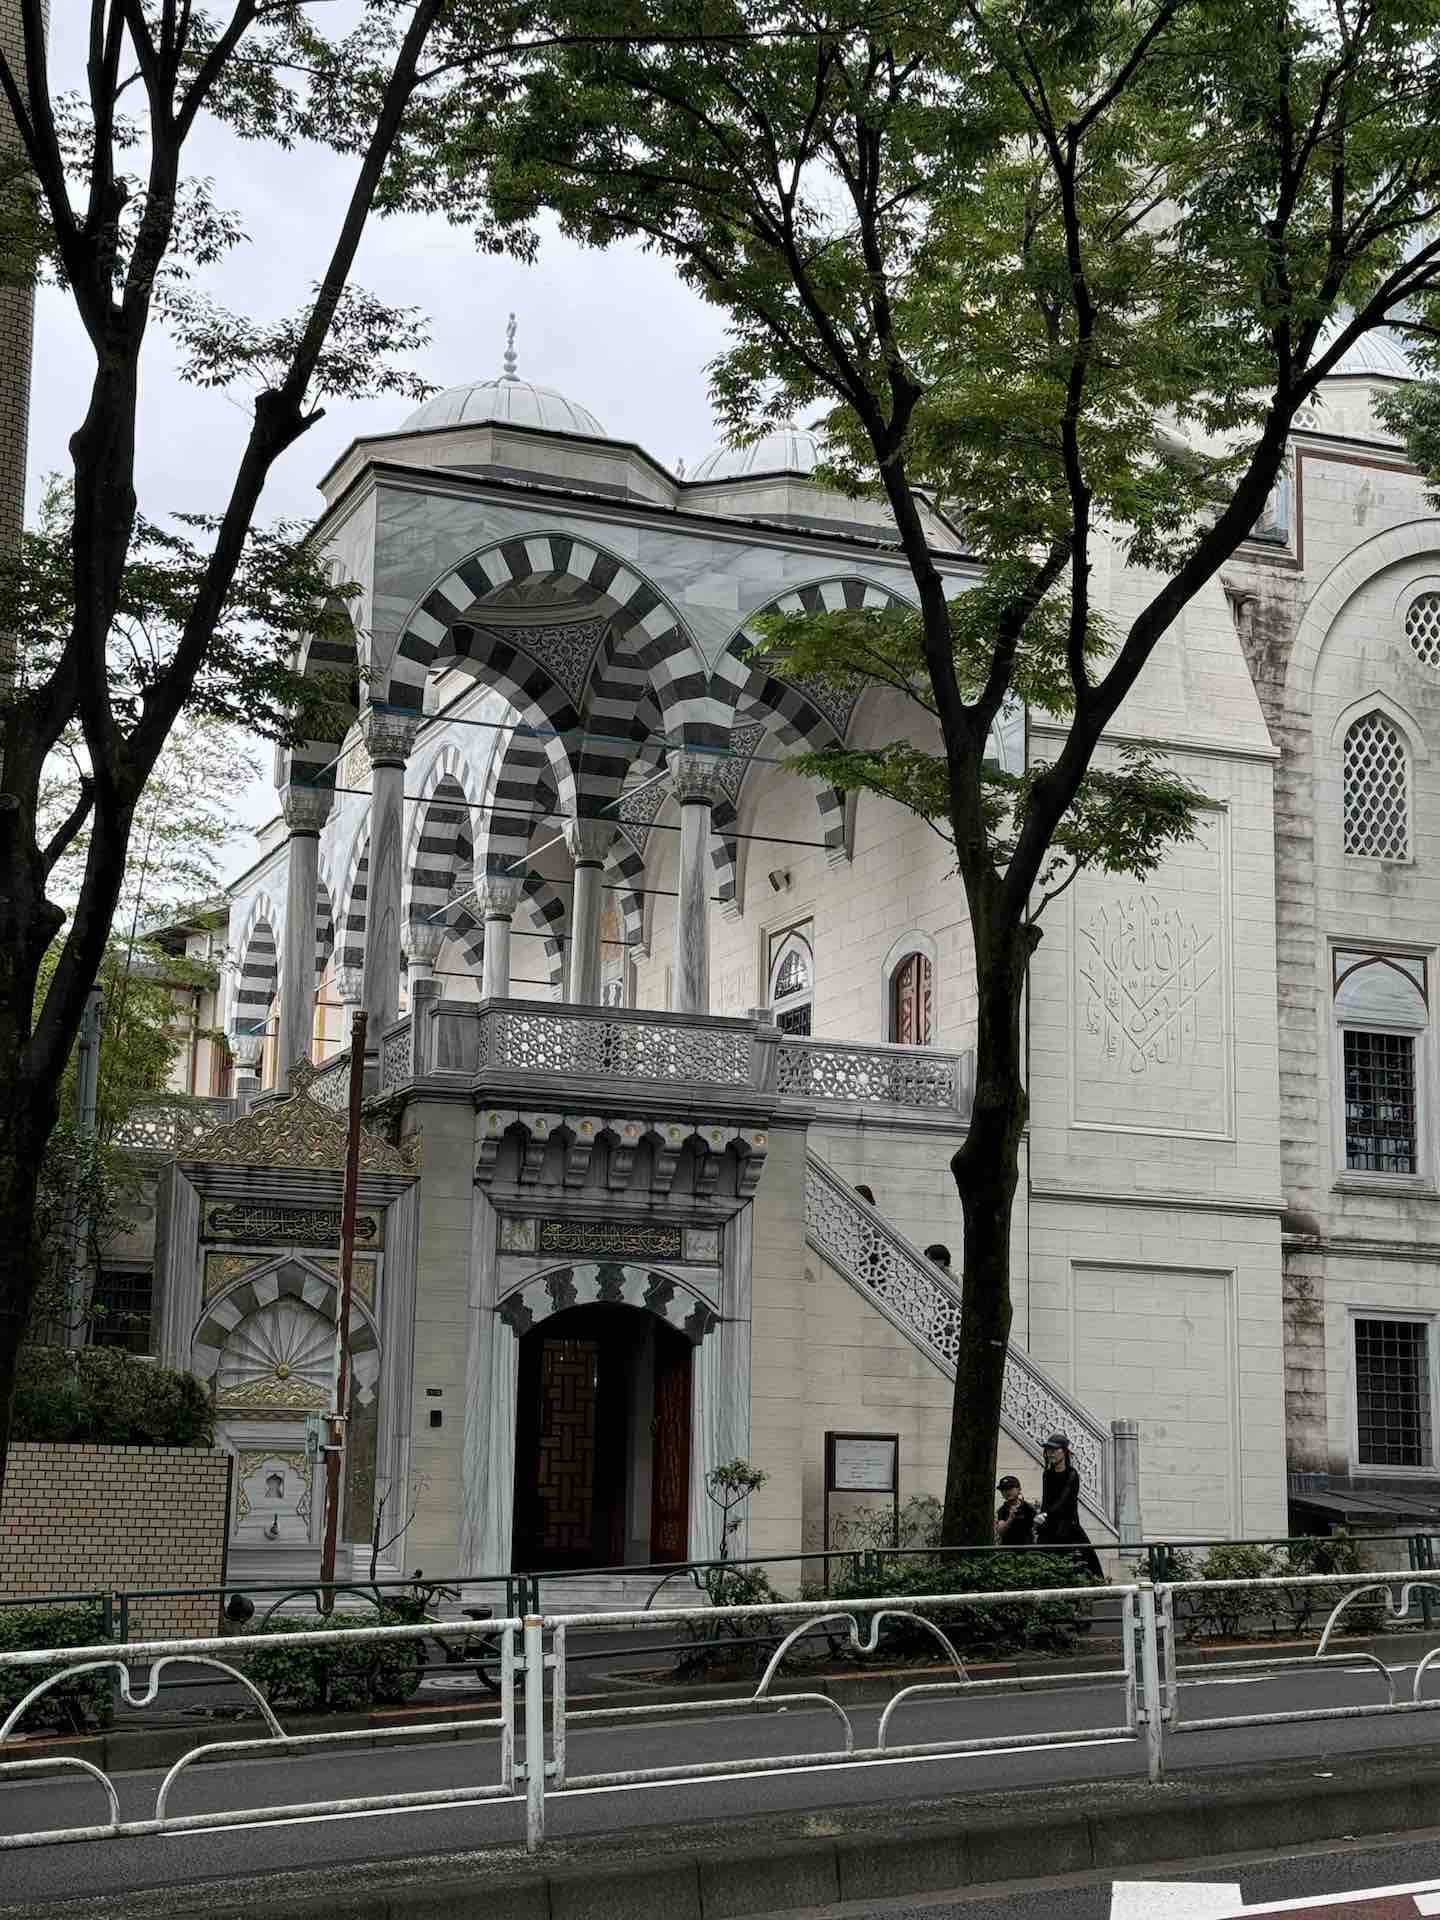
(1001, 1626)
(320, 1679)
(103, 1397)
(79, 1706)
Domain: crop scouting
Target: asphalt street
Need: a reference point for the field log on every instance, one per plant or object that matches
(243, 1846)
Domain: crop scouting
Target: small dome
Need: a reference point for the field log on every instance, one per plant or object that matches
(1377, 356)
(787, 449)
(509, 401)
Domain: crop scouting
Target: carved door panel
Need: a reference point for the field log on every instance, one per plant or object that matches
(670, 1472)
(569, 1392)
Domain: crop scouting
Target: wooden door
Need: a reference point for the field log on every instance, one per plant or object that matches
(670, 1469)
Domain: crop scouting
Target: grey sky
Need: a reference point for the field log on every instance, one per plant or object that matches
(616, 331)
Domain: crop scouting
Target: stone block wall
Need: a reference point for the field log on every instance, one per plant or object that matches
(90, 1519)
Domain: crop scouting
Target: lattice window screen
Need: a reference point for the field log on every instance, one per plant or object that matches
(1376, 815)
(1422, 628)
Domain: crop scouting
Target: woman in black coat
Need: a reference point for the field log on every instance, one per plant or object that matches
(1058, 1522)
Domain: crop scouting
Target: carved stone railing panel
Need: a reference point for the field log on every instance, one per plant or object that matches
(331, 1085)
(924, 1303)
(169, 1126)
(395, 1057)
(602, 1045)
(915, 1077)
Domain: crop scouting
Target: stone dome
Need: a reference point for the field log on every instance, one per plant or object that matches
(787, 449)
(1377, 356)
(508, 401)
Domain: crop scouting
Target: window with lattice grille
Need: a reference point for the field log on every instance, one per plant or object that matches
(1377, 812)
(1422, 628)
(1379, 1102)
(1392, 1393)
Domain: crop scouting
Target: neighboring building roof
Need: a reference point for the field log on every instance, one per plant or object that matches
(509, 399)
(787, 449)
(203, 917)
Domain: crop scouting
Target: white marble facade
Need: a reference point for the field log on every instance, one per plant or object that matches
(583, 797)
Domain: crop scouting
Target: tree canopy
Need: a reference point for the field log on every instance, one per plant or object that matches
(1067, 271)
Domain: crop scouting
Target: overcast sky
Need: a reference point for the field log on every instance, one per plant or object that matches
(616, 331)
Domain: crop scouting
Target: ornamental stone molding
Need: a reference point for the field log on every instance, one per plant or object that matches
(306, 809)
(609, 1283)
(556, 1152)
(389, 737)
(296, 1132)
(697, 779)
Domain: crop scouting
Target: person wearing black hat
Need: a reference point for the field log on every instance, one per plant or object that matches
(1058, 1522)
(1015, 1522)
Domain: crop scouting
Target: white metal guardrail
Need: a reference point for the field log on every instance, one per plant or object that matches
(533, 1721)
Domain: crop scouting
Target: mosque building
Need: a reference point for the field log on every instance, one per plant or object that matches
(651, 1019)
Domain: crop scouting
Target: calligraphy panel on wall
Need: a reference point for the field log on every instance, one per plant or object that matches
(271, 1223)
(1151, 1024)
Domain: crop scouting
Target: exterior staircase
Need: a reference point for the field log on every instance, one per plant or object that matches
(923, 1301)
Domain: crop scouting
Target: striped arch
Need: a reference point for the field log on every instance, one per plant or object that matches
(324, 929)
(259, 966)
(803, 714)
(618, 706)
(519, 796)
(562, 565)
(336, 656)
(354, 898)
(625, 871)
(547, 910)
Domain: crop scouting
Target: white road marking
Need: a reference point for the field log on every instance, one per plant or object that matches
(1171, 1900)
(639, 1786)
(1419, 1888)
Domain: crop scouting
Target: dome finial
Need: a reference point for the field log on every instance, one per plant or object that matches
(510, 360)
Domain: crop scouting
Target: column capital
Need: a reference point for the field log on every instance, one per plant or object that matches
(498, 898)
(348, 984)
(388, 736)
(423, 941)
(589, 840)
(246, 1049)
(695, 778)
(306, 809)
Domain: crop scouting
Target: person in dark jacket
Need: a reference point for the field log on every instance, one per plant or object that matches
(1058, 1522)
(1015, 1521)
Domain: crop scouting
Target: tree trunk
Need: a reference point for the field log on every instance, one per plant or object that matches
(24, 1129)
(986, 1171)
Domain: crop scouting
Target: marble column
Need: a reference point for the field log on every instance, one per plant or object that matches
(388, 740)
(588, 841)
(306, 810)
(498, 898)
(695, 783)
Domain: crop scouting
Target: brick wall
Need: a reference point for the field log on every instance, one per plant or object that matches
(87, 1519)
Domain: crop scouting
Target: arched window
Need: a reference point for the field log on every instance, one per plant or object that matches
(792, 983)
(1377, 783)
(1382, 1015)
(910, 1018)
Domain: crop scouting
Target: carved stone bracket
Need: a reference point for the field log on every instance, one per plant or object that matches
(493, 1126)
(584, 1132)
(540, 1129)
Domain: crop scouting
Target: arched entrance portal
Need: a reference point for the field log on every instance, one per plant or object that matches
(602, 1440)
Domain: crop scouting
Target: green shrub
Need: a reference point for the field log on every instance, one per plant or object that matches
(79, 1706)
(104, 1397)
(1001, 1626)
(337, 1679)
(1222, 1615)
(1310, 1607)
(919, 1525)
